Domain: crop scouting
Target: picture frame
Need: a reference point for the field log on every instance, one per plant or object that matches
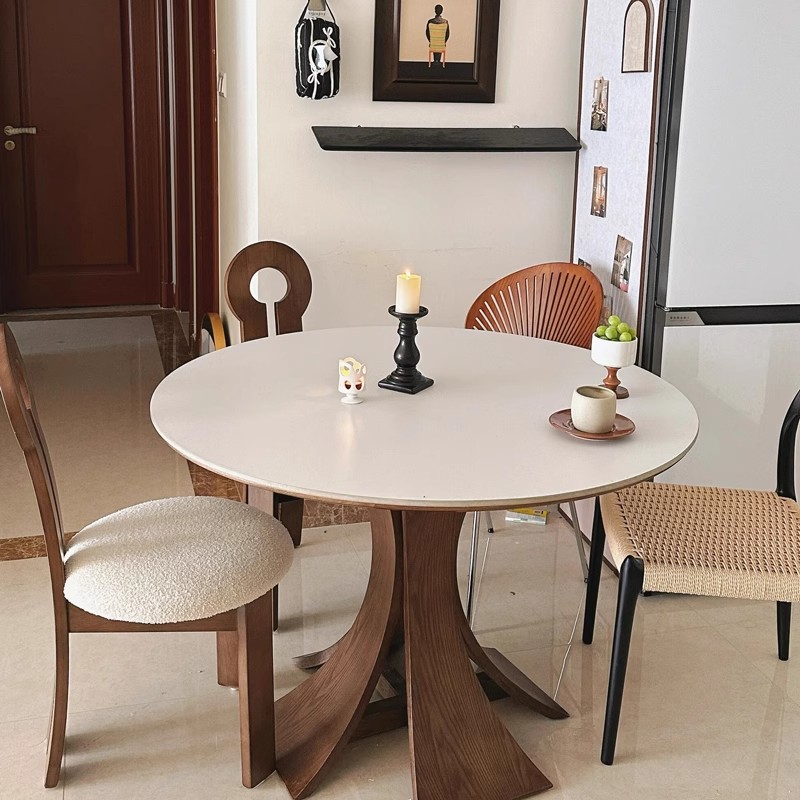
(599, 191)
(637, 36)
(423, 55)
(621, 272)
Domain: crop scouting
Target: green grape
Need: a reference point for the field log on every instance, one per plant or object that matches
(601, 330)
(612, 332)
(623, 327)
(632, 332)
(614, 320)
(625, 337)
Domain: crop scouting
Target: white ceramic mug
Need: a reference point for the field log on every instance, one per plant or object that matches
(594, 409)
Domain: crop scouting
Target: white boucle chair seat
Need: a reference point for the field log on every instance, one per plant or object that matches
(176, 560)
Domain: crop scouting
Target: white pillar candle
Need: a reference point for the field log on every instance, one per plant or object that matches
(408, 291)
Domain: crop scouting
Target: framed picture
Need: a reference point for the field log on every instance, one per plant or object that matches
(443, 52)
(636, 37)
(600, 105)
(599, 189)
(621, 273)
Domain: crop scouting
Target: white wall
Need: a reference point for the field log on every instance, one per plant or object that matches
(737, 203)
(238, 131)
(624, 149)
(461, 220)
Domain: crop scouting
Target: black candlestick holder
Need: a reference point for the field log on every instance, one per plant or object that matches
(406, 377)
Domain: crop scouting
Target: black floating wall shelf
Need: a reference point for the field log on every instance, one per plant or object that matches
(447, 140)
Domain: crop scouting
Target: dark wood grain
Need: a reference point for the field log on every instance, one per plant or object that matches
(250, 312)
(249, 628)
(182, 167)
(228, 658)
(206, 182)
(252, 316)
(316, 720)
(256, 691)
(84, 200)
(560, 302)
(459, 748)
(447, 140)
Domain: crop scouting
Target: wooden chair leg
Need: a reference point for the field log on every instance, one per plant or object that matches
(58, 715)
(593, 578)
(289, 510)
(256, 691)
(228, 659)
(631, 578)
(784, 627)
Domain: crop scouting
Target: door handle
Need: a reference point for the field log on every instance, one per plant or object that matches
(10, 130)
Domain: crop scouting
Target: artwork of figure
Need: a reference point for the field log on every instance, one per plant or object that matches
(437, 31)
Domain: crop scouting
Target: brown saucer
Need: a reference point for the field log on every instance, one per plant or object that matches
(562, 421)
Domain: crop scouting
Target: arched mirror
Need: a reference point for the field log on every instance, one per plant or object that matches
(636, 37)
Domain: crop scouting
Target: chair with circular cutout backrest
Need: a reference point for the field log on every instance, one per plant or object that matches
(254, 324)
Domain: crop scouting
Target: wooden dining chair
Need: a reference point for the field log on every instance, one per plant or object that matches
(254, 324)
(180, 564)
(664, 537)
(558, 301)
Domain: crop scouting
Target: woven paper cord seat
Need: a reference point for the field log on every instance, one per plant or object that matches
(707, 541)
(175, 560)
(736, 543)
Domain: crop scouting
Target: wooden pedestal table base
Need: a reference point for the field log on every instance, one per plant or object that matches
(459, 747)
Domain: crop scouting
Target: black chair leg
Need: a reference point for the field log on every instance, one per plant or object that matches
(631, 578)
(784, 627)
(595, 568)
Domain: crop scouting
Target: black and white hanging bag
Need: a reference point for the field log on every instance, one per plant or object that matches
(317, 52)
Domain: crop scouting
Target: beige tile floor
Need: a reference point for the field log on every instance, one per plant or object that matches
(709, 710)
(92, 380)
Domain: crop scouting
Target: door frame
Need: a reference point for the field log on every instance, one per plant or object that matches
(195, 158)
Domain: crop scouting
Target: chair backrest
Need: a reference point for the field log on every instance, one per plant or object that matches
(25, 423)
(251, 313)
(561, 302)
(786, 450)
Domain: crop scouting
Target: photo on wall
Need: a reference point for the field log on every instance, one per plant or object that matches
(438, 38)
(600, 105)
(621, 273)
(599, 190)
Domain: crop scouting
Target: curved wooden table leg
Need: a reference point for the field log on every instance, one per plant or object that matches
(459, 747)
(510, 678)
(314, 660)
(320, 716)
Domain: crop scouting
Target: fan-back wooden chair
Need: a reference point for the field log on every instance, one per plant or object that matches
(253, 324)
(696, 540)
(558, 301)
(180, 564)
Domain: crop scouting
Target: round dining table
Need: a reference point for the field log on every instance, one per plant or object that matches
(268, 413)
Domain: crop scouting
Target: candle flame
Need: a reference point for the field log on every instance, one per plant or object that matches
(408, 271)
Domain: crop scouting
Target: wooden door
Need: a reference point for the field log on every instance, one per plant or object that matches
(83, 201)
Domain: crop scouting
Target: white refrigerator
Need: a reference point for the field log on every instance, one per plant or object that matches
(722, 306)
